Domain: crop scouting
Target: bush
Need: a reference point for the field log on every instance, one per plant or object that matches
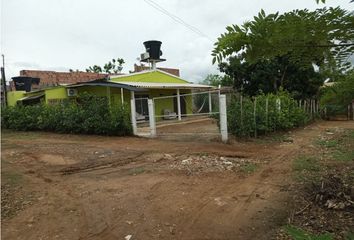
(283, 113)
(88, 115)
(337, 97)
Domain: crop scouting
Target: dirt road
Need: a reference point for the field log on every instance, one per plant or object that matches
(87, 187)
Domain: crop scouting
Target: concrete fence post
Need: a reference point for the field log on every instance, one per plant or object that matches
(223, 117)
(210, 106)
(152, 122)
(133, 113)
(179, 105)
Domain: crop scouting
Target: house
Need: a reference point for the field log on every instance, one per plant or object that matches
(172, 95)
(120, 89)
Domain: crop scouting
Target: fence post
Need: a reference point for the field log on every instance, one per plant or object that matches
(133, 112)
(353, 110)
(179, 105)
(152, 118)
(210, 106)
(254, 116)
(223, 118)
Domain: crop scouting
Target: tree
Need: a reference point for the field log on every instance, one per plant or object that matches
(266, 77)
(216, 80)
(323, 36)
(114, 66)
(280, 50)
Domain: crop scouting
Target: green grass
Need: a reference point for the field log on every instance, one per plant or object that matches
(299, 234)
(327, 143)
(11, 177)
(306, 163)
(249, 168)
(343, 155)
(136, 171)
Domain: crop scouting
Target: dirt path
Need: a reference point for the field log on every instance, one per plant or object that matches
(88, 187)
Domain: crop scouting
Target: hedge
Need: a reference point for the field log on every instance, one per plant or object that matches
(89, 114)
(251, 117)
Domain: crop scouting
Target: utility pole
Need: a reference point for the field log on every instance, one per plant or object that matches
(3, 83)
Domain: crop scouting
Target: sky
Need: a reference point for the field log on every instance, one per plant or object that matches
(60, 35)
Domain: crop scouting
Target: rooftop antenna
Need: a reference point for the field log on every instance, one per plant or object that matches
(152, 54)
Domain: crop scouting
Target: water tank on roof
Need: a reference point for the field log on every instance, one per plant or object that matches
(153, 47)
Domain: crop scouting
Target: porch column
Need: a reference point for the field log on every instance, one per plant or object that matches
(179, 105)
(133, 112)
(122, 95)
(210, 107)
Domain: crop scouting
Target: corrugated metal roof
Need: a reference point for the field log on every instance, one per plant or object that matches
(165, 85)
(109, 84)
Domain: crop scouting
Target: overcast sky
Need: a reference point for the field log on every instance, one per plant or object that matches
(63, 34)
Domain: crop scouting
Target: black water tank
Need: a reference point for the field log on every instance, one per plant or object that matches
(24, 83)
(153, 48)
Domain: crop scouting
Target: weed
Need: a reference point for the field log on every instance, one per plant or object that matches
(249, 168)
(299, 234)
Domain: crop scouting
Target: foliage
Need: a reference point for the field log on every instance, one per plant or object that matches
(114, 66)
(267, 76)
(89, 115)
(216, 80)
(282, 113)
(276, 51)
(299, 234)
(321, 36)
(337, 97)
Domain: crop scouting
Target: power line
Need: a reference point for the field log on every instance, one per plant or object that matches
(177, 19)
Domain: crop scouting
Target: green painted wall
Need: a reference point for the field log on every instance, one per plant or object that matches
(167, 103)
(56, 93)
(13, 96)
(156, 76)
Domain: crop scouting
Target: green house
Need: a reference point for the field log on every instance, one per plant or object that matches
(171, 94)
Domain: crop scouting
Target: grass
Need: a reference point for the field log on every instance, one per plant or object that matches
(327, 143)
(136, 171)
(249, 168)
(11, 177)
(306, 163)
(343, 155)
(306, 168)
(299, 234)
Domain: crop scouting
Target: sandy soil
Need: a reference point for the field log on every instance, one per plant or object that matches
(92, 187)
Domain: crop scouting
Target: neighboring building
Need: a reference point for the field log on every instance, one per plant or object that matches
(51, 78)
(173, 71)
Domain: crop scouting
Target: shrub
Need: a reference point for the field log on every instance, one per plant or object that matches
(88, 115)
(282, 113)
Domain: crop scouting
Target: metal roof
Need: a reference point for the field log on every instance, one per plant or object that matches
(164, 85)
(109, 84)
(31, 97)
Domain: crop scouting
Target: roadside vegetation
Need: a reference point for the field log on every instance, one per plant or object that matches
(87, 115)
(323, 192)
(249, 117)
